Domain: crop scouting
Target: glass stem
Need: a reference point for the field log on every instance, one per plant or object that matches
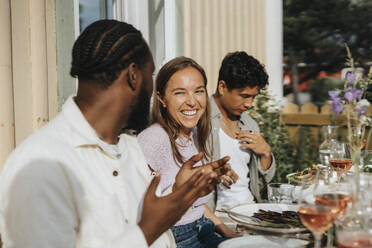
(330, 237)
(317, 239)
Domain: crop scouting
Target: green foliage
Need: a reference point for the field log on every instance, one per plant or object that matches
(315, 32)
(319, 89)
(306, 152)
(290, 156)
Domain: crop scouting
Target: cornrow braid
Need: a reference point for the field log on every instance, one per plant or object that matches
(105, 48)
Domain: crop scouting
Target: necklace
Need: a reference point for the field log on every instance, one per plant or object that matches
(230, 128)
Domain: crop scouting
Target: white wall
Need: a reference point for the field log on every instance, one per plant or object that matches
(274, 47)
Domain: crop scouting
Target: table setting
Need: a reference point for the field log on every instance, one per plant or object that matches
(307, 213)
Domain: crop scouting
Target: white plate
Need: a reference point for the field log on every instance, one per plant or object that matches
(250, 209)
(256, 241)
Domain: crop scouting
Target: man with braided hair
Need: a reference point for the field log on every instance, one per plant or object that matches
(78, 182)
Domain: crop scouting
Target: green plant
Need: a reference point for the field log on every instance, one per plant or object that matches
(290, 155)
(319, 89)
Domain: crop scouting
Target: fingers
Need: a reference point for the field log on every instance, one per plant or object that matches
(226, 181)
(189, 184)
(199, 186)
(222, 170)
(218, 163)
(248, 146)
(249, 136)
(153, 186)
(193, 160)
(203, 186)
(226, 175)
(232, 175)
(245, 133)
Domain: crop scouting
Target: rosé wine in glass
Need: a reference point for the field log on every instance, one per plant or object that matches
(357, 239)
(338, 201)
(316, 218)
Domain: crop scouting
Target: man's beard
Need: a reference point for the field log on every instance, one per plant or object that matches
(140, 116)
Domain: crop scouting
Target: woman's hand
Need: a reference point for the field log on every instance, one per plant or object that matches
(226, 232)
(219, 226)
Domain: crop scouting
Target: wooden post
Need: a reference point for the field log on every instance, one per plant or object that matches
(6, 79)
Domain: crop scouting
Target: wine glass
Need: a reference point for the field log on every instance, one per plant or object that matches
(336, 195)
(318, 208)
(355, 228)
(340, 158)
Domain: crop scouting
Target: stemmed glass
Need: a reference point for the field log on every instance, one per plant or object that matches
(354, 230)
(340, 158)
(319, 206)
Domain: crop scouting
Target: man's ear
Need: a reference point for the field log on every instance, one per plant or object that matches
(222, 87)
(133, 76)
(161, 100)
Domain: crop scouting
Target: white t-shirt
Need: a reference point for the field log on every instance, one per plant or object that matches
(65, 187)
(239, 192)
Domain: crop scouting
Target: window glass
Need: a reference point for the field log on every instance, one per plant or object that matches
(93, 10)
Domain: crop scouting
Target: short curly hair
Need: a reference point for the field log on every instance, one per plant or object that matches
(240, 70)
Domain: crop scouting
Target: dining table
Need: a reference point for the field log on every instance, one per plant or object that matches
(239, 218)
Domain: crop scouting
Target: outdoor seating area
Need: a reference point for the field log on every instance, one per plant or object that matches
(186, 123)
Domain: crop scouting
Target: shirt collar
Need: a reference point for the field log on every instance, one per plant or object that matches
(215, 111)
(83, 134)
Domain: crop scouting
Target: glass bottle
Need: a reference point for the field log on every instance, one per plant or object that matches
(330, 141)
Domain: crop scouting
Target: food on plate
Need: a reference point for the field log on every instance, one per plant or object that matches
(285, 219)
(307, 175)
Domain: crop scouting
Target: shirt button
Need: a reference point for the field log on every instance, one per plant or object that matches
(115, 173)
(118, 156)
(126, 221)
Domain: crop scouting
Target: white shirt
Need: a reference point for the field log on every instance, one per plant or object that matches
(65, 187)
(239, 192)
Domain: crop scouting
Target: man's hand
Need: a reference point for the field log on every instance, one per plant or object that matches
(253, 141)
(160, 213)
(220, 167)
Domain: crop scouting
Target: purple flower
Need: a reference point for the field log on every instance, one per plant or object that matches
(361, 110)
(349, 96)
(337, 107)
(350, 77)
(357, 94)
(333, 94)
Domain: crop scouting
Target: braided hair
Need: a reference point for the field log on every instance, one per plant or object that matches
(105, 48)
(240, 70)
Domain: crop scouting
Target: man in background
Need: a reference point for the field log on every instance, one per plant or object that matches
(235, 133)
